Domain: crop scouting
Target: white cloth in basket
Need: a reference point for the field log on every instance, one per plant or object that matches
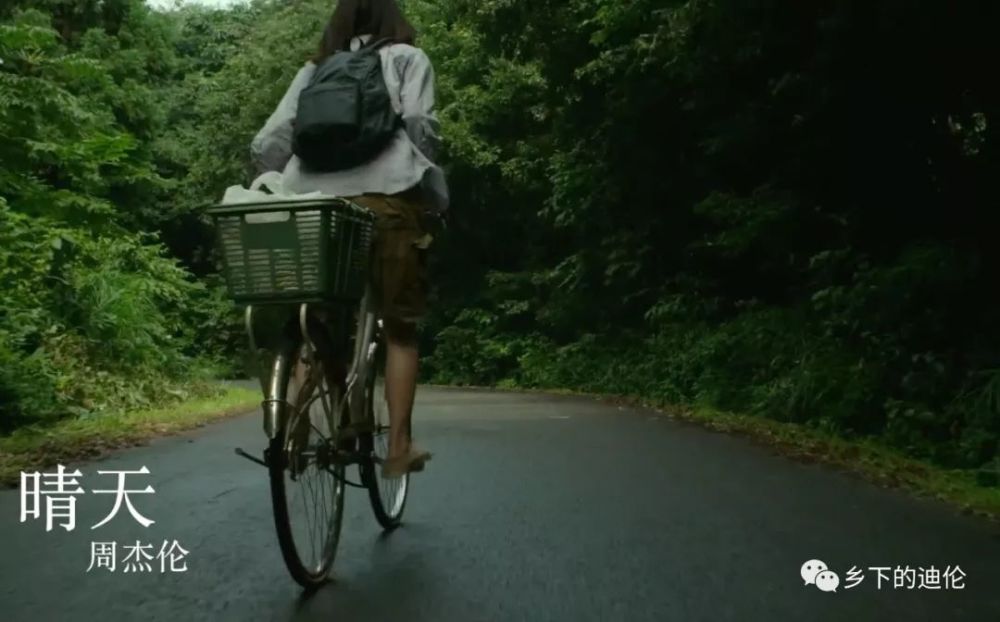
(274, 183)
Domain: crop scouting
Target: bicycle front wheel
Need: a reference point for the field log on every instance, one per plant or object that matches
(387, 495)
(307, 480)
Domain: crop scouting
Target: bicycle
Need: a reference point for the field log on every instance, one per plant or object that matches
(302, 267)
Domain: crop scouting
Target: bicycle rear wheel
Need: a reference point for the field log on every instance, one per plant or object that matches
(388, 496)
(307, 480)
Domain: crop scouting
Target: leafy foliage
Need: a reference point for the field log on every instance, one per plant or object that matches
(774, 209)
(93, 316)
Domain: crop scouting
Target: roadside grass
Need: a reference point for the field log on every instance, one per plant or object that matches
(875, 462)
(73, 440)
(865, 458)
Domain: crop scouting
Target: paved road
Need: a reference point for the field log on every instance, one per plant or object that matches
(534, 508)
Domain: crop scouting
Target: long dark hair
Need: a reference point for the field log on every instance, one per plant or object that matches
(382, 19)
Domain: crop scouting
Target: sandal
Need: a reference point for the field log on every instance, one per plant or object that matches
(411, 462)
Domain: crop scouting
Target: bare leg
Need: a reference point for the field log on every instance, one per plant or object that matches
(400, 382)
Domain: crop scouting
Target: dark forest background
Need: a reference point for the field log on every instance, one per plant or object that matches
(771, 207)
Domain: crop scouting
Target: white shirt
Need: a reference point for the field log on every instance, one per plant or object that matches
(405, 161)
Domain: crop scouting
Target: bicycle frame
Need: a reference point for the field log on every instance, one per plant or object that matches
(275, 405)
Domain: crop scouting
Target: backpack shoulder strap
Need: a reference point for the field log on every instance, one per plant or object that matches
(374, 45)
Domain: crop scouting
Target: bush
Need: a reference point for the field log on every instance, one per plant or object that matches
(91, 323)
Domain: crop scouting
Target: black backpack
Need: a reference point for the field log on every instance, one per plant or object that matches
(345, 116)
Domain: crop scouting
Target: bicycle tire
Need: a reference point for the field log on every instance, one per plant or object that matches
(308, 575)
(388, 497)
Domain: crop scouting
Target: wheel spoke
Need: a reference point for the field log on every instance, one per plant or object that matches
(307, 485)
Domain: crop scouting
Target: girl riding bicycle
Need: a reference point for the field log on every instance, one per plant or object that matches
(401, 184)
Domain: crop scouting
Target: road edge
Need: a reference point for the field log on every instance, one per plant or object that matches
(78, 440)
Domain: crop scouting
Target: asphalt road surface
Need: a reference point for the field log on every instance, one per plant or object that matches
(535, 507)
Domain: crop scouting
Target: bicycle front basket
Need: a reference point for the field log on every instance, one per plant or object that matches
(294, 251)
